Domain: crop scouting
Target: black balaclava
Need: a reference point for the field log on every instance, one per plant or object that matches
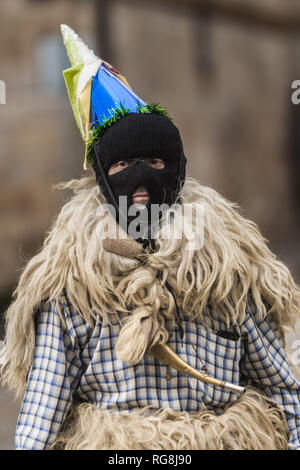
(135, 137)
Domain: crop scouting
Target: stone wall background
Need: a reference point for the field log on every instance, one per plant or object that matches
(225, 80)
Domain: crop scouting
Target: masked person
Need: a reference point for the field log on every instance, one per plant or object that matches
(158, 335)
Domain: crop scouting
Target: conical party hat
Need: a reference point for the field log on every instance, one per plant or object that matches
(99, 94)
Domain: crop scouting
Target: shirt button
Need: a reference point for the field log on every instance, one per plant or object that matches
(168, 377)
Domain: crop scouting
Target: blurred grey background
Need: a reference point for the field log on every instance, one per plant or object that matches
(223, 69)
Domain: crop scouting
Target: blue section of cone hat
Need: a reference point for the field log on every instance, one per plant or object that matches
(108, 93)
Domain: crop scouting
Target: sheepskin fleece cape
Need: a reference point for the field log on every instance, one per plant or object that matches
(251, 423)
(232, 260)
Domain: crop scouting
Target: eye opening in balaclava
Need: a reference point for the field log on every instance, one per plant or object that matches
(136, 137)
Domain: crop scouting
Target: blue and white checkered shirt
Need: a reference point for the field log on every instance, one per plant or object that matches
(77, 359)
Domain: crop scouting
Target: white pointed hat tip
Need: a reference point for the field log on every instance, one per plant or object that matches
(64, 27)
(67, 31)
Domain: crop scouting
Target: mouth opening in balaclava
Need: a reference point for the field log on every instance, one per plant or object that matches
(133, 138)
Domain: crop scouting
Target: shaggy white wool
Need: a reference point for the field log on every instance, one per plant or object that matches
(233, 260)
(251, 423)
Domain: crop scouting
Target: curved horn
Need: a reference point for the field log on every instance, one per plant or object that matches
(166, 355)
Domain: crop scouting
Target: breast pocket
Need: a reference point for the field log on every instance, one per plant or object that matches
(221, 357)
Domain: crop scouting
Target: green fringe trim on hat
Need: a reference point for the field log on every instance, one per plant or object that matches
(119, 112)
